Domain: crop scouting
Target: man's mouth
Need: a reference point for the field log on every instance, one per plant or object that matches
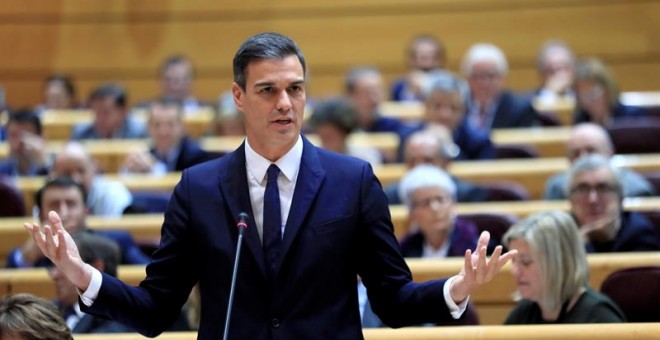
(283, 121)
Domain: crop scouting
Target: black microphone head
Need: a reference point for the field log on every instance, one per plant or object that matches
(243, 216)
(242, 220)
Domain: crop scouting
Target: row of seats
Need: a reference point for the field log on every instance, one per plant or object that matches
(506, 179)
(495, 217)
(493, 301)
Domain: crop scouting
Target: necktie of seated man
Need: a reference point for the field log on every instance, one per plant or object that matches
(272, 224)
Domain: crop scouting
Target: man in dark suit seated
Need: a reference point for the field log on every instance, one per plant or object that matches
(444, 105)
(317, 220)
(170, 150)
(111, 117)
(28, 155)
(490, 105)
(595, 192)
(436, 148)
(177, 75)
(426, 54)
(555, 65)
(103, 254)
(67, 198)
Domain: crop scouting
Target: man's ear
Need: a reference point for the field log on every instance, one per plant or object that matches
(238, 94)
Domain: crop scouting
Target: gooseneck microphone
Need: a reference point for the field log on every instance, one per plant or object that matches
(241, 225)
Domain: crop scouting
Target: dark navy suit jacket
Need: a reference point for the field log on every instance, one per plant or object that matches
(339, 227)
(636, 234)
(190, 153)
(514, 111)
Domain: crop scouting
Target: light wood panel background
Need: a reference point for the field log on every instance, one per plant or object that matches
(126, 40)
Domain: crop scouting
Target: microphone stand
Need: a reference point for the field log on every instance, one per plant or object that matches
(241, 225)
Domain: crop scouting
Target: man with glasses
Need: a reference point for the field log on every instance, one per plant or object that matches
(588, 138)
(595, 192)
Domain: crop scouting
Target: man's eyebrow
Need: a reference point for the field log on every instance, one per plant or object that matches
(297, 82)
(264, 84)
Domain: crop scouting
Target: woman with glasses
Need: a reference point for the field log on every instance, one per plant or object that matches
(597, 95)
(430, 195)
(551, 271)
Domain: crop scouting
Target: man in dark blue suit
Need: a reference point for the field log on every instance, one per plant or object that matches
(67, 198)
(317, 220)
(171, 149)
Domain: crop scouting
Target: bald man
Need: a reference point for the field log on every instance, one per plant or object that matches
(104, 196)
(588, 138)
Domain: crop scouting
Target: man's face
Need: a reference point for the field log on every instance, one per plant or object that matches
(422, 152)
(485, 81)
(332, 138)
(273, 103)
(426, 56)
(108, 116)
(77, 166)
(177, 80)
(165, 127)
(66, 202)
(444, 108)
(557, 62)
(586, 142)
(593, 196)
(367, 94)
(16, 132)
(56, 96)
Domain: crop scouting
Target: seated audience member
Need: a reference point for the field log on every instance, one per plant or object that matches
(27, 317)
(66, 197)
(588, 138)
(490, 105)
(176, 81)
(334, 121)
(27, 148)
(364, 86)
(425, 54)
(435, 148)
(598, 95)
(555, 64)
(430, 195)
(111, 117)
(230, 122)
(444, 106)
(171, 150)
(104, 196)
(59, 94)
(103, 254)
(552, 274)
(595, 192)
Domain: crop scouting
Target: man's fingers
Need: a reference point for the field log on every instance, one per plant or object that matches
(481, 265)
(467, 267)
(49, 243)
(484, 239)
(506, 257)
(55, 220)
(62, 244)
(493, 263)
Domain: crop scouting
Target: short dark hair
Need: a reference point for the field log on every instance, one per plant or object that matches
(26, 116)
(337, 112)
(92, 247)
(31, 318)
(65, 80)
(267, 45)
(114, 91)
(59, 182)
(168, 102)
(176, 59)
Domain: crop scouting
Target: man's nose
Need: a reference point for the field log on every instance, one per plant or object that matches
(283, 102)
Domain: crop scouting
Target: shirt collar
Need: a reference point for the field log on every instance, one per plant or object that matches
(288, 164)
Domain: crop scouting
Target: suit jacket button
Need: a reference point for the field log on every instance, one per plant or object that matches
(276, 323)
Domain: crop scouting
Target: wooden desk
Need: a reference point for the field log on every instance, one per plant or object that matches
(531, 173)
(58, 124)
(549, 141)
(493, 301)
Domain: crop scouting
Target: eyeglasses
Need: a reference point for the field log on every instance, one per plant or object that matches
(582, 191)
(425, 203)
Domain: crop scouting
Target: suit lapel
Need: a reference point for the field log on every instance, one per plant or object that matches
(310, 177)
(234, 188)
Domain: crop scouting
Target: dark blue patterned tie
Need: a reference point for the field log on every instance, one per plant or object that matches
(272, 233)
